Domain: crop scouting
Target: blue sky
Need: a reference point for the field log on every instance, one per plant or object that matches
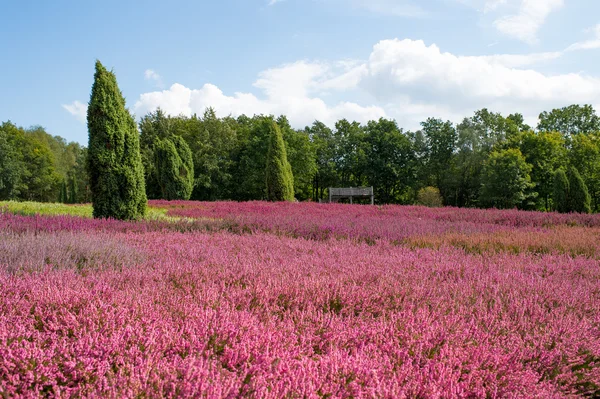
(308, 59)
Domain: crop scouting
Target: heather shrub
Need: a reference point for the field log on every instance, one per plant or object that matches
(430, 196)
(35, 252)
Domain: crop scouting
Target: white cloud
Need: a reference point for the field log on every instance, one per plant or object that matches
(458, 85)
(290, 89)
(412, 66)
(590, 44)
(521, 60)
(77, 109)
(273, 2)
(402, 79)
(151, 75)
(529, 18)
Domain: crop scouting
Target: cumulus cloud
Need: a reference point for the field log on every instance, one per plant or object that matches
(427, 75)
(77, 109)
(290, 89)
(407, 80)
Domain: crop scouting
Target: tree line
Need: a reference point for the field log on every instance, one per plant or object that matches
(487, 160)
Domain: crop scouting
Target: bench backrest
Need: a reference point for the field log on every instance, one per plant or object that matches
(351, 192)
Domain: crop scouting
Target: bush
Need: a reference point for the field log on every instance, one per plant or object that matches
(430, 196)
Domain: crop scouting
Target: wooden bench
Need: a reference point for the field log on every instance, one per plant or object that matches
(335, 194)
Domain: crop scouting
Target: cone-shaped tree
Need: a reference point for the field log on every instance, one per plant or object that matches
(72, 190)
(280, 181)
(560, 193)
(579, 197)
(174, 168)
(114, 162)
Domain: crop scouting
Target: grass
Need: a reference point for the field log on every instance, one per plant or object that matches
(28, 208)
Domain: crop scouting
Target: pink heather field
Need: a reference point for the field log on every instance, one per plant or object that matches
(301, 300)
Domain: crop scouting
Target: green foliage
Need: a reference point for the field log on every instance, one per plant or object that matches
(579, 197)
(301, 155)
(114, 162)
(439, 145)
(585, 155)
(324, 146)
(10, 168)
(72, 198)
(154, 126)
(545, 152)
(213, 142)
(506, 180)
(388, 161)
(350, 156)
(560, 194)
(63, 197)
(174, 168)
(278, 171)
(430, 196)
(570, 120)
(228, 157)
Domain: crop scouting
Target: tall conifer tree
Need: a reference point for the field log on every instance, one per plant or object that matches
(561, 191)
(280, 181)
(114, 162)
(174, 168)
(579, 196)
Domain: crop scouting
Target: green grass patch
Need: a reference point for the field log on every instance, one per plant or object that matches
(29, 208)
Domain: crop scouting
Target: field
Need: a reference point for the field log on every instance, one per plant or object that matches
(298, 300)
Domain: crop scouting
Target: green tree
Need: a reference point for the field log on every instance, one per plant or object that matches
(584, 154)
(174, 168)
(63, 197)
(301, 155)
(324, 146)
(350, 156)
(213, 142)
(570, 120)
(72, 198)
(579, 197)
(388, 161)
(505, 180)
(10, 168)
(279, 178)
(560, 194)
(114, 162)
(440, 144)
(545, 152)
(153, 126)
